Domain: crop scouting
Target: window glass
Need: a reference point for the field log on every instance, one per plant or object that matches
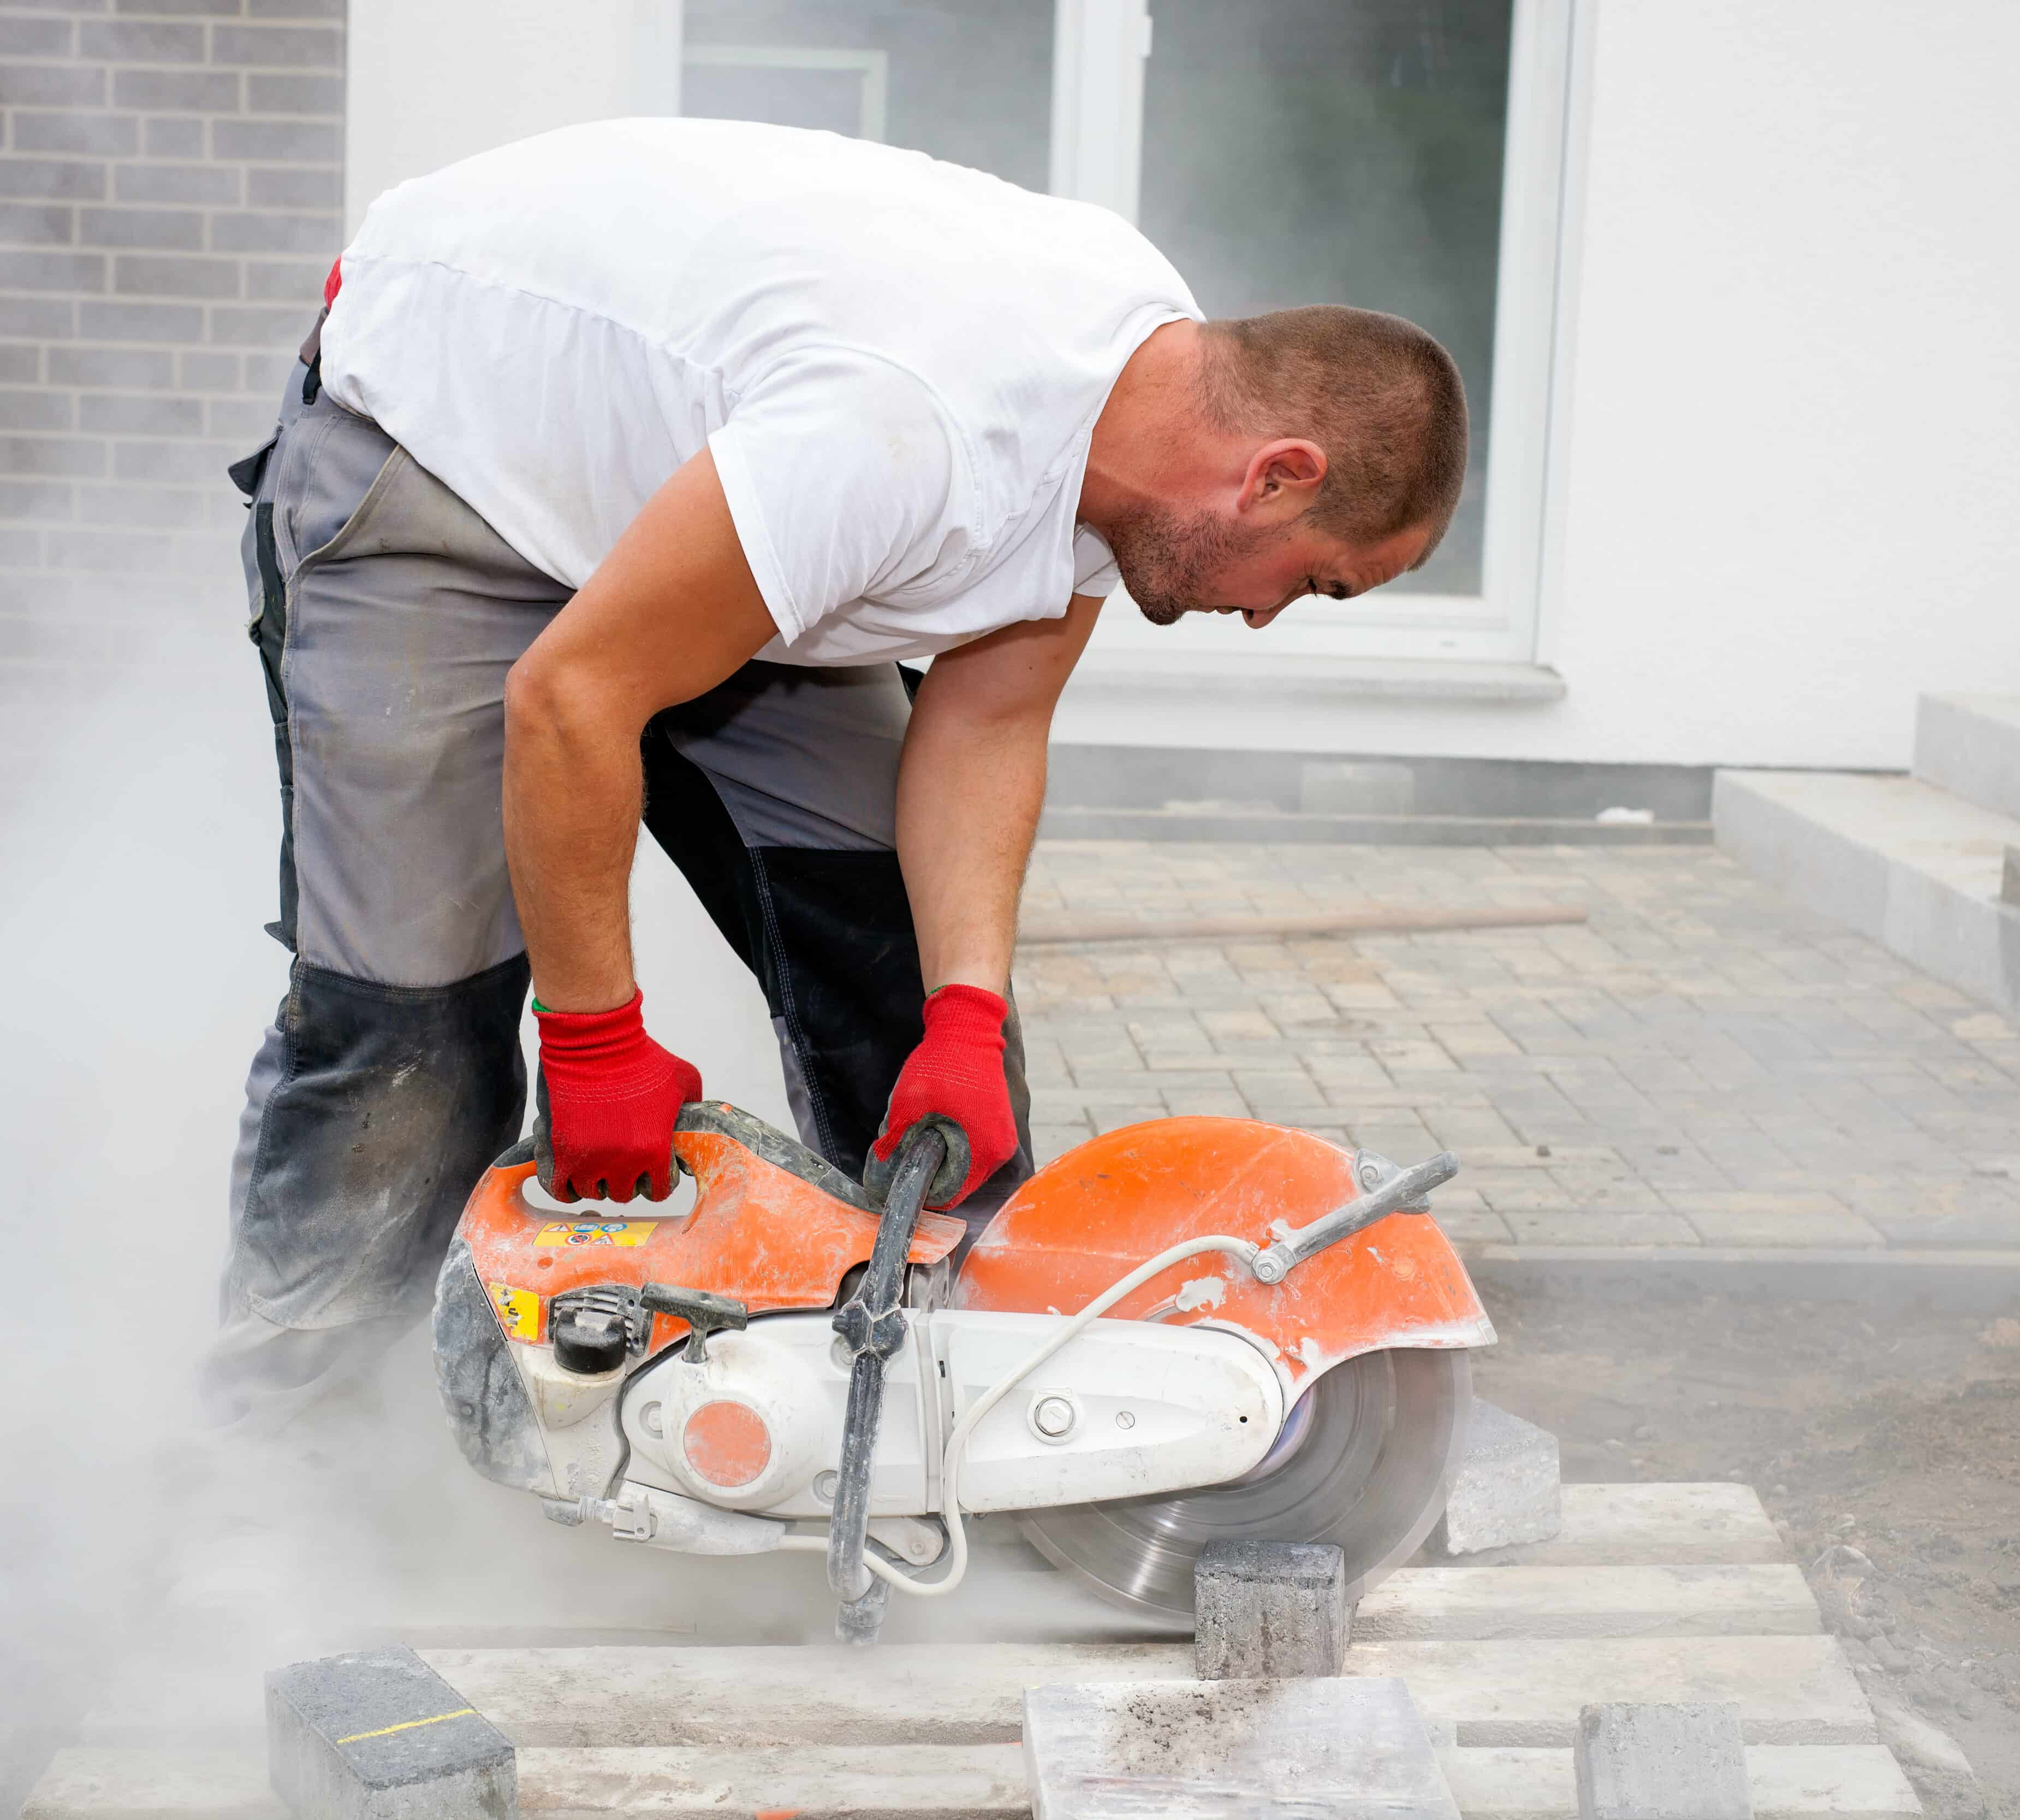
(1339, 151)
(970, 83)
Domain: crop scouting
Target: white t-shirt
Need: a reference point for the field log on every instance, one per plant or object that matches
(897, 363)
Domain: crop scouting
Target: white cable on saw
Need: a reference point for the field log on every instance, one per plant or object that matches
(1243, 1249)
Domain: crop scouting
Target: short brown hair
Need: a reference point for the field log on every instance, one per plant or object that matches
(1379, 396)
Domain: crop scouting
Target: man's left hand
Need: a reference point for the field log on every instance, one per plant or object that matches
(954, 1078)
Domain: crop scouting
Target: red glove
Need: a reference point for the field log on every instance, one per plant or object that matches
(955, 1076)
(610, 1095)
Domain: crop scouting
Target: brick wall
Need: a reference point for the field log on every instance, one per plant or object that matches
(171, 181)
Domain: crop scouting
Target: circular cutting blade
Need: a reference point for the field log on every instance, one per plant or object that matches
(1365, 1462)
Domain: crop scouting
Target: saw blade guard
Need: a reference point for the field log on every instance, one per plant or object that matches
(1086, 1220)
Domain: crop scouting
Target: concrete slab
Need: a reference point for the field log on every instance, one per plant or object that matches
(1433, 1603)
(1266, 1611)
(1970, 746)
(1899, 860)
(1661, 1760)
(1322, 1749)
(100, 1782)
(902, 1782)
(1507, 1490)
(1859, 1781)
(1792, 1690)
(1634, 1525)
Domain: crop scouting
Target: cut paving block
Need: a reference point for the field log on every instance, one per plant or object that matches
(1661, 1760)
(1506, 1491)
(1265, 1611)
(1970, 746)
(1857, 1781)
(1433, 1602)
(1323, 1749)
(1899, 860)
(1791, 1690)
(380, 1735)
(1633, 1525)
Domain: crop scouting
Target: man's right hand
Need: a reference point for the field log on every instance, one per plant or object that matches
(608, 1097)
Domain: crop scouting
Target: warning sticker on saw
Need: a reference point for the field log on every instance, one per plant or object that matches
(596, 1232)
(518, 1311)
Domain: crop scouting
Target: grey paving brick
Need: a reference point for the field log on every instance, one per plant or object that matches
(278, 141)
(42, 500)
(277, 46)
(139, 413)
(51, 271)
(144, 274)
(20, 549)
(102, 135)
(260, 327)
(170, 229)
(64, 180)
(36, 409)
(141, 41)
(260, 232)
(35, 37)
(294, 9)
(20, 363)
(139, 322)
(30, 84)
(52, 456)
(268, 94)
(39, 318)
(37, 223)
(138, 508)
(215, 185)
(108, 551)
(170, 137)
(178, 91)
(282, 188)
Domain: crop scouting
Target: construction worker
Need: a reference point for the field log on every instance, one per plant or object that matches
(626, 468)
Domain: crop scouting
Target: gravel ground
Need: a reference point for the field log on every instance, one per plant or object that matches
(1886, 1447)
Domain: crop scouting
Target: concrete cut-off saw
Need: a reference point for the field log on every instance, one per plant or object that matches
(1180, 1331)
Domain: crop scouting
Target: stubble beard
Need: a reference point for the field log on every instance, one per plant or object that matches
(1168, 563)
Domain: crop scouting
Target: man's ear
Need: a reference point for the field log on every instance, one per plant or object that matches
(1283, 478)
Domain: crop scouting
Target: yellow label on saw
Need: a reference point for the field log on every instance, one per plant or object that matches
(596, 1232)
(518, 1311)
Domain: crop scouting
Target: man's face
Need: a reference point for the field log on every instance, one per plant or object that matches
(1174, 565)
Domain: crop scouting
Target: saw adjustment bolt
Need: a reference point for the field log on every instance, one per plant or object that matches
(1053, 1416)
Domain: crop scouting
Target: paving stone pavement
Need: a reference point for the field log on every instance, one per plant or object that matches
(1701, 1063)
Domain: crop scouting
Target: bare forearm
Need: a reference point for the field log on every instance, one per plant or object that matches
(968, 797)
(572, 795)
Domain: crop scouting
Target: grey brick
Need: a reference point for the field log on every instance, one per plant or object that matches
(103, 551)
(35, 410)
(152, 367)
(295, 189)
(19, 363)
(286, 47)
(61, 5)
(37, 224)
(137, 275)
(140, 321)
(173, 138)
(35, 499)
(242, 328)
(51, 455)
(141, 508)
(44, 318)
(51, 85)
(266, 373)
(52, 271)
(207, 372)
(110, 135)
(20, 549)
(220, 8)
(35, 37)
(243, 421)
(150, 40)
(277, 141)
(59, 181)
(270, 281)
(294, 95)
(218, 185)
(140, 414)
(260, 233)
(295, 8)
(181, 229)
(186, 462)
(184, 91)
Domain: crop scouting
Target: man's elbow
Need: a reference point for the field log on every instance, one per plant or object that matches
(551, 697)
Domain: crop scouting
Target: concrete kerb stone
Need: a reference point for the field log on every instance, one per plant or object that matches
(1270, 1611)
(1326, 1748)
(379, 1735)
(1507, 1491)
(1661, 1761)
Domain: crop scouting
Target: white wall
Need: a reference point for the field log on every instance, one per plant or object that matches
(1791, 428)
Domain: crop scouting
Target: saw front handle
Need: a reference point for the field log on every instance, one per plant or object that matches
(1401, 1193)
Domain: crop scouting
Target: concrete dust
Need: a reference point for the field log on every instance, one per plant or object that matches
(1886, 1447)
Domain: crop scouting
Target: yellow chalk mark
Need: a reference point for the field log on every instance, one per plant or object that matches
(408, 1725)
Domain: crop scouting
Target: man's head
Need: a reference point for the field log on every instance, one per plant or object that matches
(1329, 449)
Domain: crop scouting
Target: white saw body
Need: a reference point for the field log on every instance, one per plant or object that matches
(1197, 1367)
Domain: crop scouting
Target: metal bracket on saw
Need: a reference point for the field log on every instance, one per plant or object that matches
(1406, 1192)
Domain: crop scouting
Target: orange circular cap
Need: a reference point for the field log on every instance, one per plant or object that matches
(727, 1443)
